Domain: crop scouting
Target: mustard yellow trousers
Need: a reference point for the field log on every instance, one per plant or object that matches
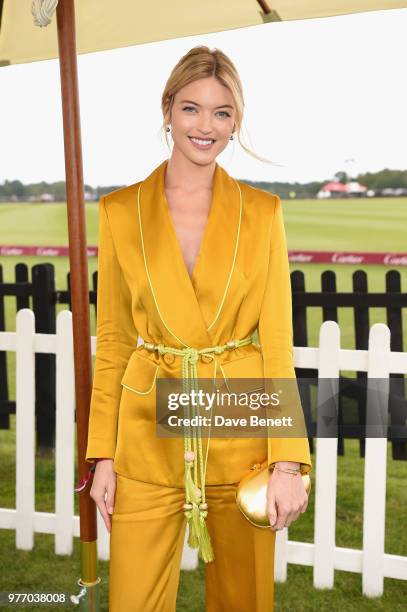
(146, 543)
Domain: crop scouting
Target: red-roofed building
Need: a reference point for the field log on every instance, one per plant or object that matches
(335, 189)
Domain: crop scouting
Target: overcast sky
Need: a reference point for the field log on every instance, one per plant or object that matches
(318, 93)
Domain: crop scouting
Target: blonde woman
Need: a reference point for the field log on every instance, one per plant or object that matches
(194, 263)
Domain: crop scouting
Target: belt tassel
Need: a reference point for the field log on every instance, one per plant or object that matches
(196, 513)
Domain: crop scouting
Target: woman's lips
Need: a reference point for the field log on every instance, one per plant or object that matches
(201, 146)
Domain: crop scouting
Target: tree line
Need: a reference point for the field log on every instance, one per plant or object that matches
(376, 181)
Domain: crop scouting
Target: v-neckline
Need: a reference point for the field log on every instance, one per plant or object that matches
(173, 290)
(191, 278)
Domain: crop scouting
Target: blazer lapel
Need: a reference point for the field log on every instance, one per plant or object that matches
(189, 308)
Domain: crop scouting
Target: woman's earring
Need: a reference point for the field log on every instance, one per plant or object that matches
(231, 138)
(168, 129)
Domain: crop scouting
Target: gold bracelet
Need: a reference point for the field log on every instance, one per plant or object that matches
(289, 470)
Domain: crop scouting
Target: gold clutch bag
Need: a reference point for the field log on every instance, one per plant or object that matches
(251, 494)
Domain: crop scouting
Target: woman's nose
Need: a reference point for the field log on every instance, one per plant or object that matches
(205, 125)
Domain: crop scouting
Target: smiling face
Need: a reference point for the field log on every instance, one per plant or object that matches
(202, 119)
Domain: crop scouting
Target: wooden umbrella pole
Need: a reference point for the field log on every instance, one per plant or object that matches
(79, 292)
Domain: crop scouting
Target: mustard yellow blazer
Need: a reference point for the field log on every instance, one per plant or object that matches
(240, 284)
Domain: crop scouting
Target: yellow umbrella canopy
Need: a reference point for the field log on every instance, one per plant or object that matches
(110, 24)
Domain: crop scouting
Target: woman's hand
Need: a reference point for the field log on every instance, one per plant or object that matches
(286, 496)
(104, 482)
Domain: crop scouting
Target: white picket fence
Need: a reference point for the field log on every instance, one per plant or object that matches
(329, 359)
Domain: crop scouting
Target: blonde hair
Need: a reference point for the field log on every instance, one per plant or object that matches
(201, 62)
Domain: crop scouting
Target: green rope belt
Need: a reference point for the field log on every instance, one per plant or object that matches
(195, 506)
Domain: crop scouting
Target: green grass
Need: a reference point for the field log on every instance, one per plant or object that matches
(366, 225)
(351, 225)
(371, 225)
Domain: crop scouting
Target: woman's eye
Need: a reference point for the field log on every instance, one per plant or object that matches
(225, 113)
